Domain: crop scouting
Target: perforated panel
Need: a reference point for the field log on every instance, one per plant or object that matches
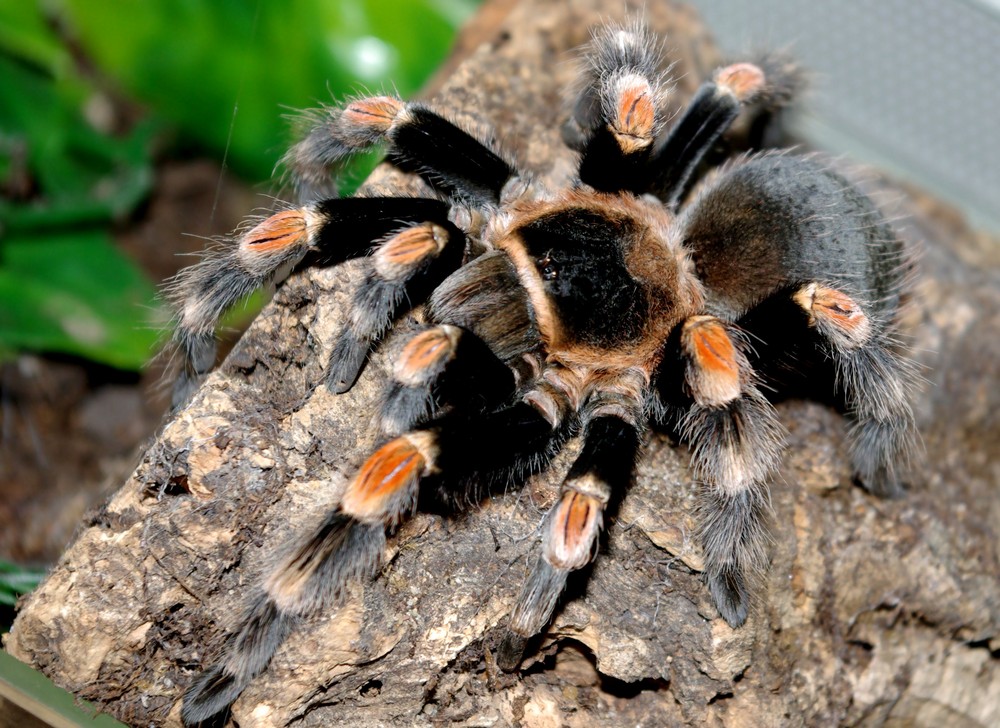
(912, 85)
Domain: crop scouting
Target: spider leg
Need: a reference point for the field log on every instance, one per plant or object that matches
(602, 471)
(484, 345)
(442, 455)
(246, 654)
(349, 542)
(619, 113)
(336, 230)
(443, 364)
(401, 272)
(619, 107)
(735, 440)
(418, 139)
(714, 107)
(452, 160)
(875, 381)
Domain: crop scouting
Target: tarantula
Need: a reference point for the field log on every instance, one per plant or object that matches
(646, 292)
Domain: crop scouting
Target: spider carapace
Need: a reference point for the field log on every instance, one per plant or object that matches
(634, 296)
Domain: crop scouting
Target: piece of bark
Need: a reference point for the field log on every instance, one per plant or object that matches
(872, 611)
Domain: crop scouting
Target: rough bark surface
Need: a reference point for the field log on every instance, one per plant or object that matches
(873, 612)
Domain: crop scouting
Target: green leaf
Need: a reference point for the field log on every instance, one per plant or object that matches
(83, 176)
(16, 580)
(235, 69)
(25, 34)
(223, 72)
(63, 285)
(76, 293)
(40, 697)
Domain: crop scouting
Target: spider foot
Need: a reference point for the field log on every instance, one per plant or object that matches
(731, 597)
(346, 361)
(246, 654)
(733, 535)
(534, 609)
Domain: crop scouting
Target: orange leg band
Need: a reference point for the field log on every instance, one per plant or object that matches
(714, 376)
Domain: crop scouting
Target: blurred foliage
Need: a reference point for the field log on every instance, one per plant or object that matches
(17, 580)
(227, 72)
(63, 285)
(74, 292)
(215, 77)
(38, 696)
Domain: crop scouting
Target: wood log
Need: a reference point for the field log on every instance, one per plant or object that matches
(872, 612)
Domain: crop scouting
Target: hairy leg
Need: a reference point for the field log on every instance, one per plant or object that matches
(443, 366)
(602, 471)
(875, 381)
(417, 138)
(735, 440)
(334, 230)
(348, 544)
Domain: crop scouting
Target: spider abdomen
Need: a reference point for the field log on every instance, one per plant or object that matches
(778, 221)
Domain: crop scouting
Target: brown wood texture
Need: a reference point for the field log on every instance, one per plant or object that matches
(872, 612)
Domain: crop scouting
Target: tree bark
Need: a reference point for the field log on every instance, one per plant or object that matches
(872, 612)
